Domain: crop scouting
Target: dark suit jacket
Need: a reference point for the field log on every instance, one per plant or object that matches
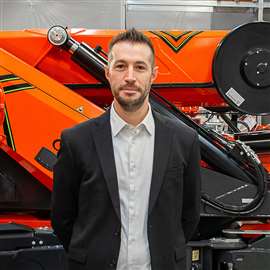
(86, 208)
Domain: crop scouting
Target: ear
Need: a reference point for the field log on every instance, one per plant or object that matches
(154, 74)
(107, 73)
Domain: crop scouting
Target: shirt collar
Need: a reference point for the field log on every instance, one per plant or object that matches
(148, 121)
(117, 123)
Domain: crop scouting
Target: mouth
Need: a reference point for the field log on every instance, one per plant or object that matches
(129, 90)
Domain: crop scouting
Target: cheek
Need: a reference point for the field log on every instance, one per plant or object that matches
(115, 79)
(146, 81)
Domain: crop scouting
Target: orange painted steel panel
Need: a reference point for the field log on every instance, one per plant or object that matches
(39, 110)
(182, 57)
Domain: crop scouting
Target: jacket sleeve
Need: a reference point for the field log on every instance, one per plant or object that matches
(65, 193)
(192, 191)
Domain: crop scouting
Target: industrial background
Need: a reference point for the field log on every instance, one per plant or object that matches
(123, 14)
(53, 56)
(144, 14)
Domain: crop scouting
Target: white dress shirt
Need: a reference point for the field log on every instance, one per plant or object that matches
(133, 152)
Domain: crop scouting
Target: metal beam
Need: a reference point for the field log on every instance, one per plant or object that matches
(123, 14)
(194, 3)
(260, 10)
(197, 6)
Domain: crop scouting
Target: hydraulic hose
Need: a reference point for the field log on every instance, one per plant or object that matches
(240, 153)
(221, 151)
(259, 178)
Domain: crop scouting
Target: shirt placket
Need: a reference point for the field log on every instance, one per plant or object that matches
(132, 189)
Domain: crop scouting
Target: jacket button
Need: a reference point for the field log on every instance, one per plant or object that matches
(116, 233)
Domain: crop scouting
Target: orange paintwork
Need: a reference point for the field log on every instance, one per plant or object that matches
(39, 106)
(37, 115)
(191, 64)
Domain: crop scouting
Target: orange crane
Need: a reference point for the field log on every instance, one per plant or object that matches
(53, 79)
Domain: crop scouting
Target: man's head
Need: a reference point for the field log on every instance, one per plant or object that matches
(131, 69)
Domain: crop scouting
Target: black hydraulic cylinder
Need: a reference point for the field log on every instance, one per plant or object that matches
(82, 54)
(90, 63)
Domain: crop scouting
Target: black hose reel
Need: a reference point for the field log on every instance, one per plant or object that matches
(241, 68)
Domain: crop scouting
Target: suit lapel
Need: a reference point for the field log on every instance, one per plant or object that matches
(162, 148)
(103, 141)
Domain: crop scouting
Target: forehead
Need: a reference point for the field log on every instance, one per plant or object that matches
(129, 51)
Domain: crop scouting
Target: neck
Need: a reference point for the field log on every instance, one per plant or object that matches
(132, 118)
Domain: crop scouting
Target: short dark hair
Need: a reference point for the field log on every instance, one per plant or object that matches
(134, 36)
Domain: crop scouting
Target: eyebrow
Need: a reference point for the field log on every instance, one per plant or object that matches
(136, 62)
(141, 62)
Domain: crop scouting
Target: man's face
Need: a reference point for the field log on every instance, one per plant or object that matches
(130, 74)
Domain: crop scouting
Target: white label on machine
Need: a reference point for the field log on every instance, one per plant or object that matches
(247, 200)
(235, 97)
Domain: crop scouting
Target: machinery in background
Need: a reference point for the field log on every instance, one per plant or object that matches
(2, 116)
(55, 79)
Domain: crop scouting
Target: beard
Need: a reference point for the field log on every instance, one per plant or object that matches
(132, 105)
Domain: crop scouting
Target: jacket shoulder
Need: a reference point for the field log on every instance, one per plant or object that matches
(177, 126)
(84, 128)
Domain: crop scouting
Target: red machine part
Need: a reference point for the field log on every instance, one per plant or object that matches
(265, 159)
(263, 127)
(255, 227)
(25, 219)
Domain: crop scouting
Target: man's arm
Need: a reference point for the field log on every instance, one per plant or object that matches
(65, 194)
(192, 191)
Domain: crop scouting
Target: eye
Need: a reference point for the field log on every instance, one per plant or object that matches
(119, 66)
(141, 67)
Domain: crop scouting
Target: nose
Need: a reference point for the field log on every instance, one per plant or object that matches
(130, 76)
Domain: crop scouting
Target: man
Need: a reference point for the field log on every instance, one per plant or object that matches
(127, 184)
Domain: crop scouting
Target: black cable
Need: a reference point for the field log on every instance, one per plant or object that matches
(259, 177)
(246, 155)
